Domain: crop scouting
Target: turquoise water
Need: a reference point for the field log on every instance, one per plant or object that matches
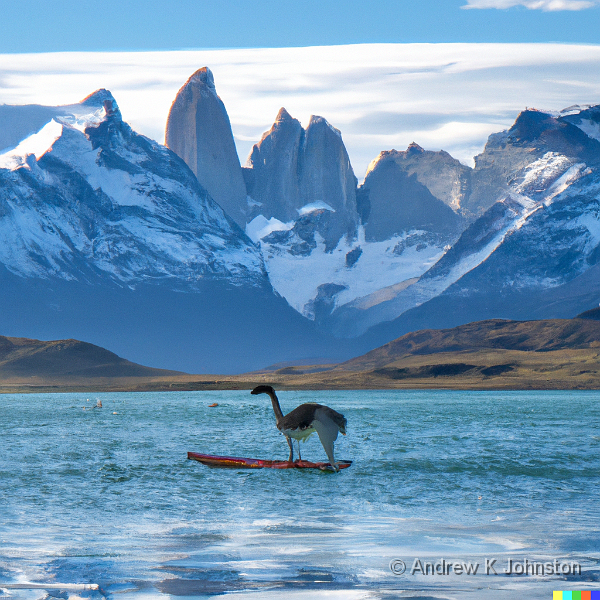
(106, 496)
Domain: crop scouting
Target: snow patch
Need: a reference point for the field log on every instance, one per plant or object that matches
(261, 227)
(79, 116)
(314, 207)
(546, 178)
(525, 201)
(591, 222)
(427, 288)
(540, 173)
(590, 128)
(36, 144)
(565, 180)
(575, 109)
(252, 203)
(380, 265)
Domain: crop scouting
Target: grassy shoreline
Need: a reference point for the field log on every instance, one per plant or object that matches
(484, 370)
(556, 354)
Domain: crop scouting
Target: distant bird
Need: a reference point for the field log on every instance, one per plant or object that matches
(304, 421)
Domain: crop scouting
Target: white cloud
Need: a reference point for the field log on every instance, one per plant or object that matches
(381, 96)
(545, 5)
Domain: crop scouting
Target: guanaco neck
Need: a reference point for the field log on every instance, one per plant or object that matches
(276, 407)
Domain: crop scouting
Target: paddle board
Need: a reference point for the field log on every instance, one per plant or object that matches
(230, 462)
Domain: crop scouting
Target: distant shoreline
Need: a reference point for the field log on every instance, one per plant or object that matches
(559, 354)
(356, 381)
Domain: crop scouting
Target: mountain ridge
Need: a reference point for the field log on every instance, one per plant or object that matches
(494, 354)
(492, 334)
(108, 236)
(66, 359)
(105, 221)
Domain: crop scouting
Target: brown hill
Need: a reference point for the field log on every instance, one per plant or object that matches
(22, 358)
(495, 334)
(594, 314)
(494, 354)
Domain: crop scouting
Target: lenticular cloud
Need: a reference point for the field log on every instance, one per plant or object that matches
(545, 5)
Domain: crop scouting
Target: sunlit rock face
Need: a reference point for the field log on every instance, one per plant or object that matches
(199, 131)
(446, 178)
(392, 200)
(293, 172)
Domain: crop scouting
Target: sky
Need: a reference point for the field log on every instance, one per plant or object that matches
(443, 73)
(85, 25)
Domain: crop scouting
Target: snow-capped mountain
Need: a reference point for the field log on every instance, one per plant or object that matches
(86, 196)
(539, 263)
(325, 243)
(107, 236)
(537, 146)
(532, 254)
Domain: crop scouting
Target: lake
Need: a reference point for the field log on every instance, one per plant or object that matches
(447, 491)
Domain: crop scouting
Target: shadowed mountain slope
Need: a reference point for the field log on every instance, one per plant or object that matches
(394, 201)
(22, 357)
(108, 237)
(593, 314)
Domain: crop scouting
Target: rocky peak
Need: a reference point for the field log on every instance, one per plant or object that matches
(199, 131)
(292, 168)
(316, 122)
(544, 132)
(446, 178)
(282, 116)
(284, 129)
(414, 148)
(204, 76)
(104, 127)
(272, 170)
(393, 201)
(538, 142)
(530, 124)
(102, 99)
(326, 174)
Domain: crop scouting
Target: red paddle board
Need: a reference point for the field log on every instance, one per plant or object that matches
(230, 462)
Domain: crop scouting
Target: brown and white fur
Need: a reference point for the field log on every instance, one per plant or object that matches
(306, 420)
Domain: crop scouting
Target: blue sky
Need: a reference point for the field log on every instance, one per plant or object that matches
(66, 25)
(442, 73)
